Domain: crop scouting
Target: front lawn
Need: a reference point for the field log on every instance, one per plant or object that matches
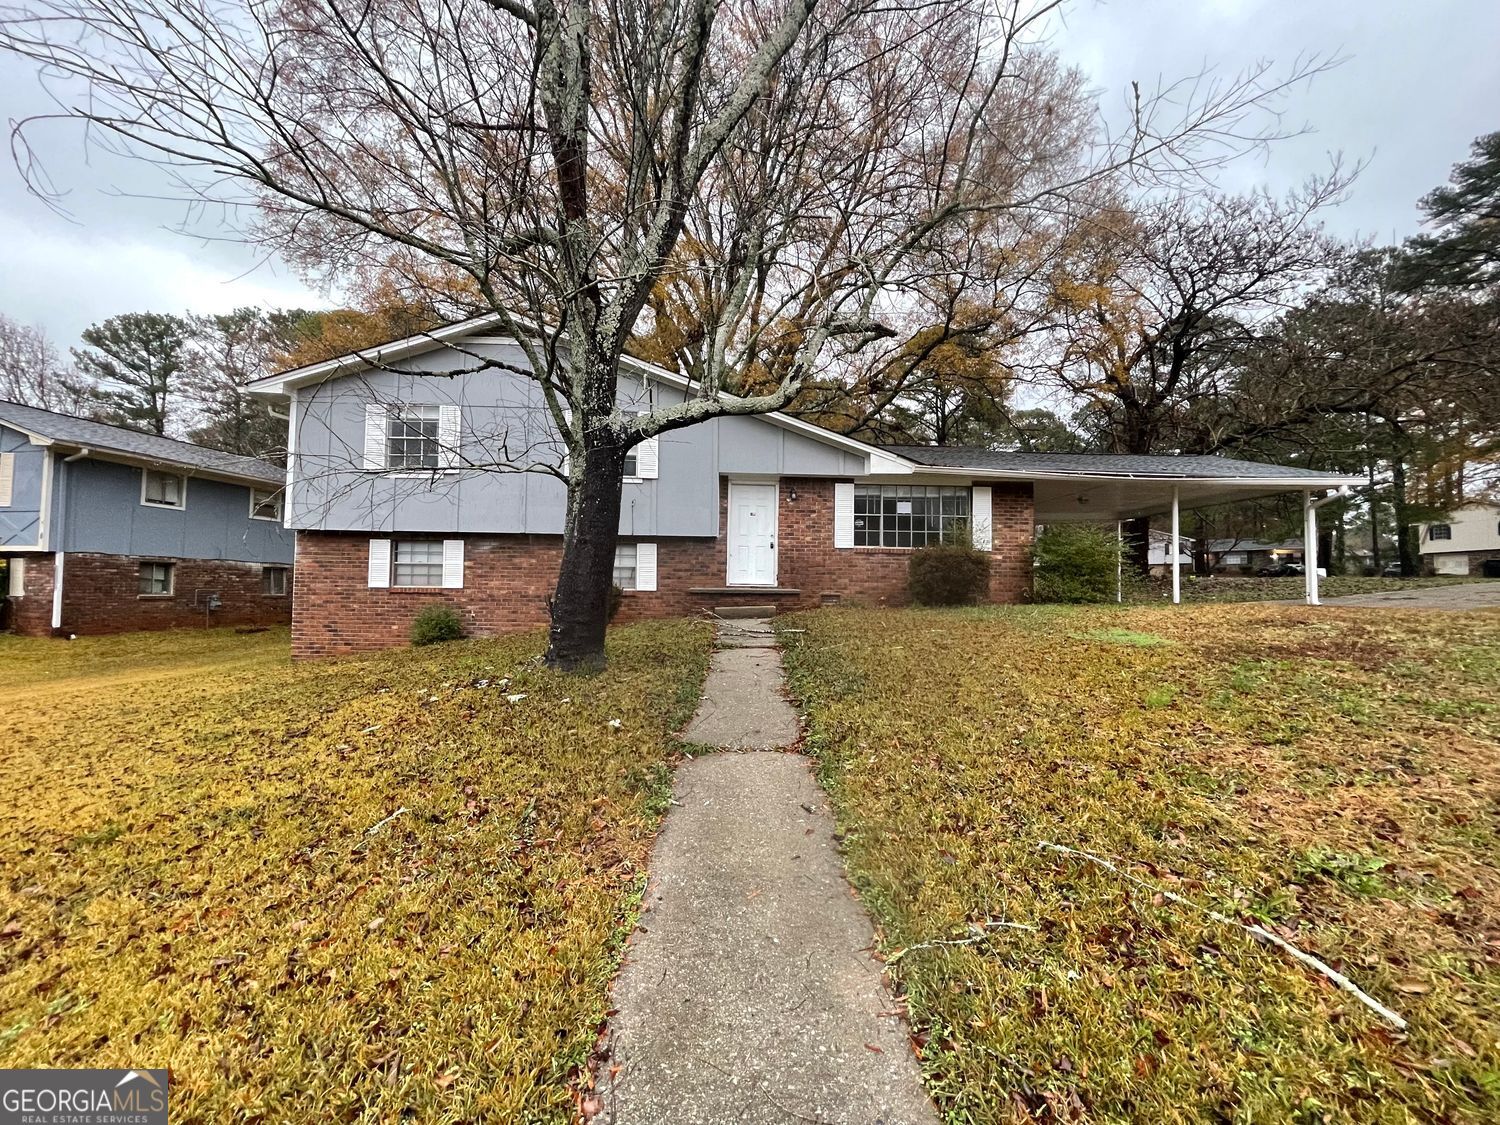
(1245, 588)
(1334, 775)
(378, 889)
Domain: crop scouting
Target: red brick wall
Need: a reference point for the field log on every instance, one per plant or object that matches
(507, 578)
(31, 614)
(101, 594)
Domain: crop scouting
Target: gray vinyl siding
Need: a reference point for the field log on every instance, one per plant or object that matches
(20, 520)
(505, 419)
(98, 509)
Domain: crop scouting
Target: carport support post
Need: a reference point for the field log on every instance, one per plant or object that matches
(1176, 548)
(1310, 547)
(1119, 560)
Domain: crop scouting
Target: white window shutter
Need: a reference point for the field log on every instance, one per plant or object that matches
(18, 577)
(646, 459)
(979, 521)
(453, 564)
(645, 566)
(7, 477)
(449, 436)
(375, 448)
(380, 563)
(843, 514)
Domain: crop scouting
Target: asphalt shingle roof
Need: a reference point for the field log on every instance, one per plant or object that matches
(1105, 464)
(105, 438)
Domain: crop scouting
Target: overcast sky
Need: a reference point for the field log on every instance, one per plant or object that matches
(1419, 83)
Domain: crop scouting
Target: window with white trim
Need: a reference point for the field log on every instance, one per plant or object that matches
(910, 515)
(265, 504)
(625, 566)
(156, 579)
(417, 562)
(273, 581)
(411, 437)
(1440, 531)
(163, 490)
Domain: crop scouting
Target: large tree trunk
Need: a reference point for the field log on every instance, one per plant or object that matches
(1404, 530)
(580, 605)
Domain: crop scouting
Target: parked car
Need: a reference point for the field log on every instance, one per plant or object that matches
(1391, 570)
(1281, 570)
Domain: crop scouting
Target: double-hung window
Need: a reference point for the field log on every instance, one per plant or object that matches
(910, 515)
(417, 562)
(162, 490)
(625, 562)
(1440, 531)
(265, 504)
(411, 438)
(156, 580)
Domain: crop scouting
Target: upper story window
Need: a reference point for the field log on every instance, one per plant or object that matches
(265, 504)
(909, 515)
(163, 490)
(411, 437)
(1440, 531)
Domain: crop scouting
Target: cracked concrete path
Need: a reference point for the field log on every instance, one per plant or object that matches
(749, 993)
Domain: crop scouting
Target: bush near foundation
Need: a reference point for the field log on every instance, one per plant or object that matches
(436, 623)
(948, 574)
(1075, 564)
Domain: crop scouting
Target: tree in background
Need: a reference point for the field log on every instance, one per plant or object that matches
(811, 165)
(33, 372)
(225, 354)
(135, 362)
(1463, 250)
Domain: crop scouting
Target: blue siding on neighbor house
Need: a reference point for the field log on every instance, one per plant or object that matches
(98, 509)
(506, 419)
(20, 520)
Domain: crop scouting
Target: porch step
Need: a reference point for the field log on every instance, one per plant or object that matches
(739, 611)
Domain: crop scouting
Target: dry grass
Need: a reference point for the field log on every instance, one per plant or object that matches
(1334, 774)
(191, 879)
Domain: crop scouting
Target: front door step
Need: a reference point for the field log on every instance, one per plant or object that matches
(741, 611)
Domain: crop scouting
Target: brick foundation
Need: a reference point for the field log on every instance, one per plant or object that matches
(507, 578)
(101, 594)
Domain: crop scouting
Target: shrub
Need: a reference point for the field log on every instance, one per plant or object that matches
(1075, 563)
(616, 597)
(436, 623)
(948, 574)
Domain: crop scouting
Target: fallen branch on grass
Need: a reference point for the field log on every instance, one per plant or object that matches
(1260, 933)
(379, 824)
(981, 928)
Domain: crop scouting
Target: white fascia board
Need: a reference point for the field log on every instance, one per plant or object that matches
(137, 461)
(1290, 483)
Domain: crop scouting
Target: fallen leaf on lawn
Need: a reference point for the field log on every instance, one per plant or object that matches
(872, 1047)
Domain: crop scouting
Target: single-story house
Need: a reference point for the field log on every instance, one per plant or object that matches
(106, 530)
(1467, 542)
(1159, 552)
(1246, 556)
(414, 479)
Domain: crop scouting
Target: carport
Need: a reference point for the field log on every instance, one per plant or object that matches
(1105, 487)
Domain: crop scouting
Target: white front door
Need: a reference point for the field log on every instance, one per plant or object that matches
(752, 534)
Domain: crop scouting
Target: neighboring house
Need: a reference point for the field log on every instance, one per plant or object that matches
(1246, 556)
(1468, 542)
(1159, 552)
(407, 489)
(104, 530)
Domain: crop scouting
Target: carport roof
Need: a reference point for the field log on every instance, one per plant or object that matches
(1078, 487)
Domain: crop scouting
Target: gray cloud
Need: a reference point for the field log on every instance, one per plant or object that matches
(1419, 84)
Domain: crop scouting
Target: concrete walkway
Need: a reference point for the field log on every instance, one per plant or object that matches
(1461, 596)
(748, 992)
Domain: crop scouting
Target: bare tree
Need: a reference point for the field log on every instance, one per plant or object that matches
(34, 373)
(804, 165)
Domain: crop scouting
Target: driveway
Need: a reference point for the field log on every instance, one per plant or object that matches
(1471, 595)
